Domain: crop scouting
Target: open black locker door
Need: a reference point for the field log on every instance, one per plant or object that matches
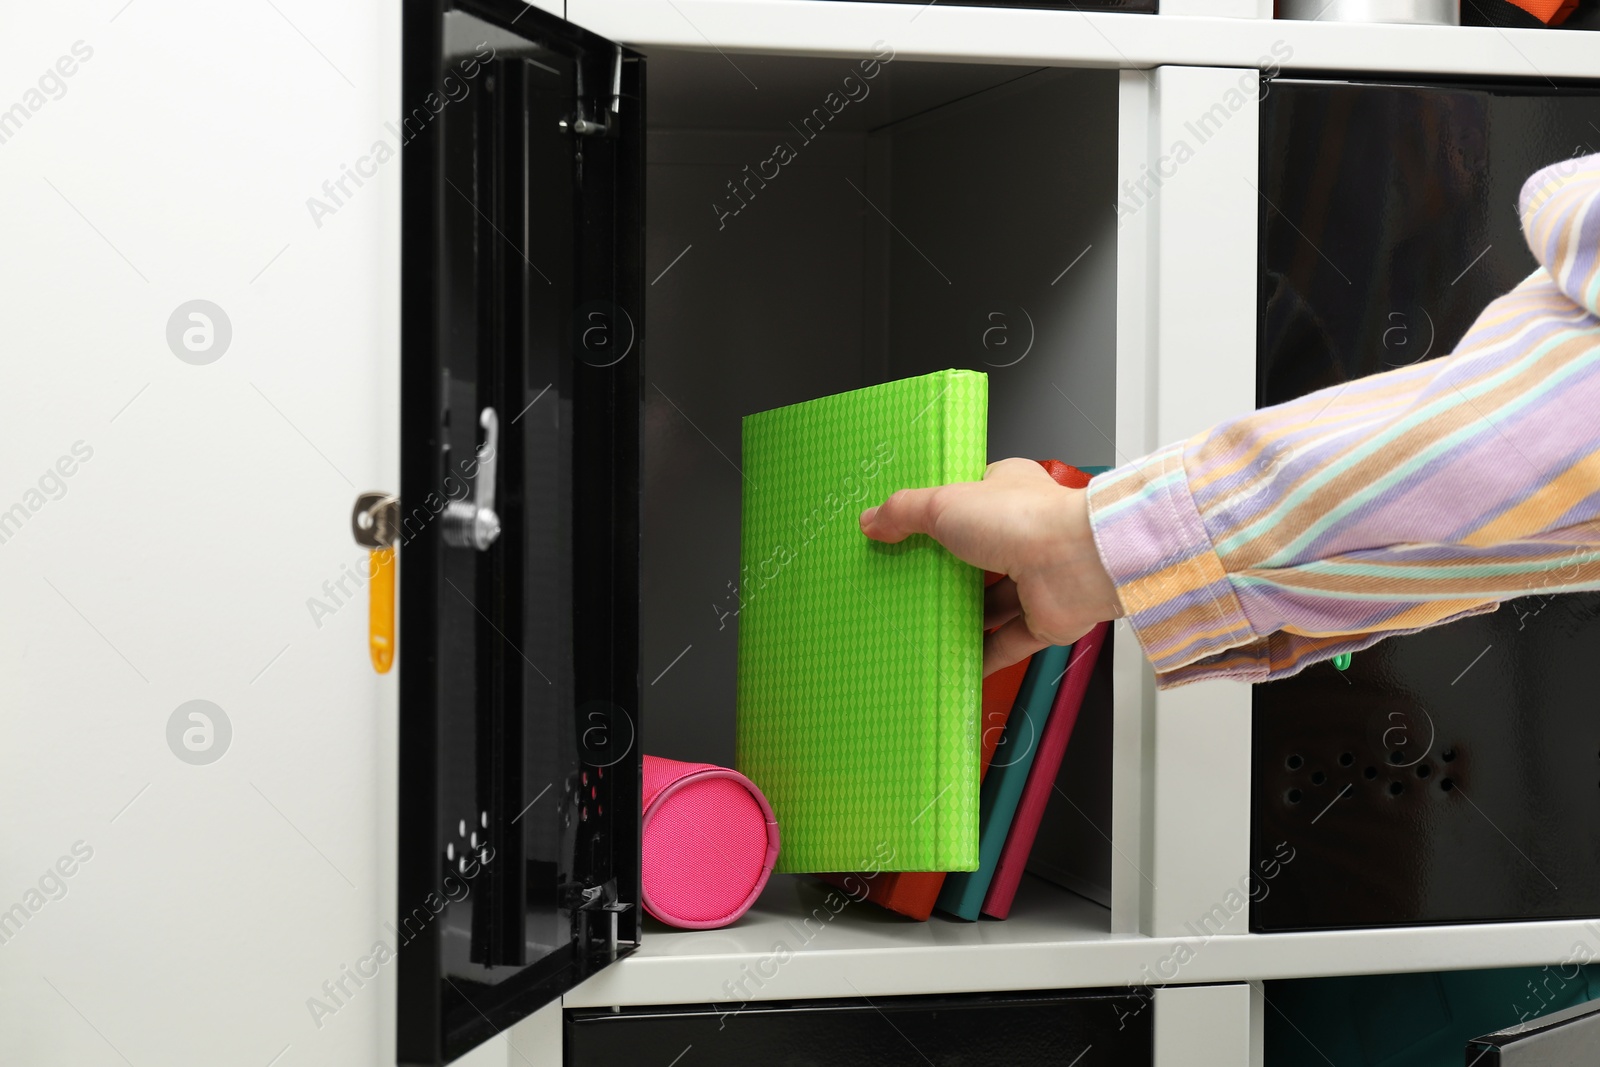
(519, 517)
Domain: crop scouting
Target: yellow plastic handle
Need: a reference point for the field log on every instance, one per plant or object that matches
(380, 608)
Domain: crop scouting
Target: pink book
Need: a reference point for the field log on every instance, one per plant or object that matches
(1042, 776)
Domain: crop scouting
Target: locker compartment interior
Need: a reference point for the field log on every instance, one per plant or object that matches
(820, 224)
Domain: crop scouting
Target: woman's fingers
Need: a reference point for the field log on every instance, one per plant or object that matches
(1019, 522)
(906, 512)
(1010, 644)
(1001, 603)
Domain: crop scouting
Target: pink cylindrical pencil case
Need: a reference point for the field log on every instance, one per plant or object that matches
(709, 843)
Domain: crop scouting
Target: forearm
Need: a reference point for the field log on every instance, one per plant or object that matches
(1383, 506)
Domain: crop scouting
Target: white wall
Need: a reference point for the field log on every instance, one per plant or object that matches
(178, 562)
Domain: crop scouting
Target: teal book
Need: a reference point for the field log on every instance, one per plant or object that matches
(860, 663)
(963, 892)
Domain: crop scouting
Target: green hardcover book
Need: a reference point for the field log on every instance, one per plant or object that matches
(860, 663)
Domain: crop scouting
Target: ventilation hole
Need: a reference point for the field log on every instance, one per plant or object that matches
(450, 852)
(461, 865)
(474, 839)
(1396, 788)
(1423, 770)
(592, 792)
(1448, 755)
(600, 772)
(1446, 784)
(1345, 759)
(1370, 773)
(1396, 756)
(1293, 763)
(1317, 778)
(585, 777)
(462, 829)
(599, 809)
(583, 814)
(483, 820)
(1293, 796)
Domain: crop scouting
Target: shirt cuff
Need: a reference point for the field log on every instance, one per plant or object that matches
(1173, 587)
(1284, 654)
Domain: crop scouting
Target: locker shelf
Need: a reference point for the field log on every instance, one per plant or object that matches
(1054, 939)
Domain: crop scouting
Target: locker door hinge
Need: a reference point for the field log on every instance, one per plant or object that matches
(595, 909)
(581, 123)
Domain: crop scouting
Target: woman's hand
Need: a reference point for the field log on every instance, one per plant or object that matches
(1019, 522)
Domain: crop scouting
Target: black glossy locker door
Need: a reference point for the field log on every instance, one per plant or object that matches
(1566, 1038)
(1451, 775)
(518, 642)
(1113, 1028)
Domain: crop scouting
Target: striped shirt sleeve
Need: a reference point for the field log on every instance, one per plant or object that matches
(1388, 504)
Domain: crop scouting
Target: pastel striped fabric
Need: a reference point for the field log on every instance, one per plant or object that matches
(1388, 504)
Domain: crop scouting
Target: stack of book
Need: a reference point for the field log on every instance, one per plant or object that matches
(862, 714)
(1029, 710)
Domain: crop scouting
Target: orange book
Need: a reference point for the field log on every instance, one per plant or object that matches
(912, 893)
(1549, 12)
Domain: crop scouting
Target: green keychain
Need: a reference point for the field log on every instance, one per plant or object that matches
(1342, 661)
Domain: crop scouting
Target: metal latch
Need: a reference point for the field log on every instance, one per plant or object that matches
(473, 523)
(586, 126)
